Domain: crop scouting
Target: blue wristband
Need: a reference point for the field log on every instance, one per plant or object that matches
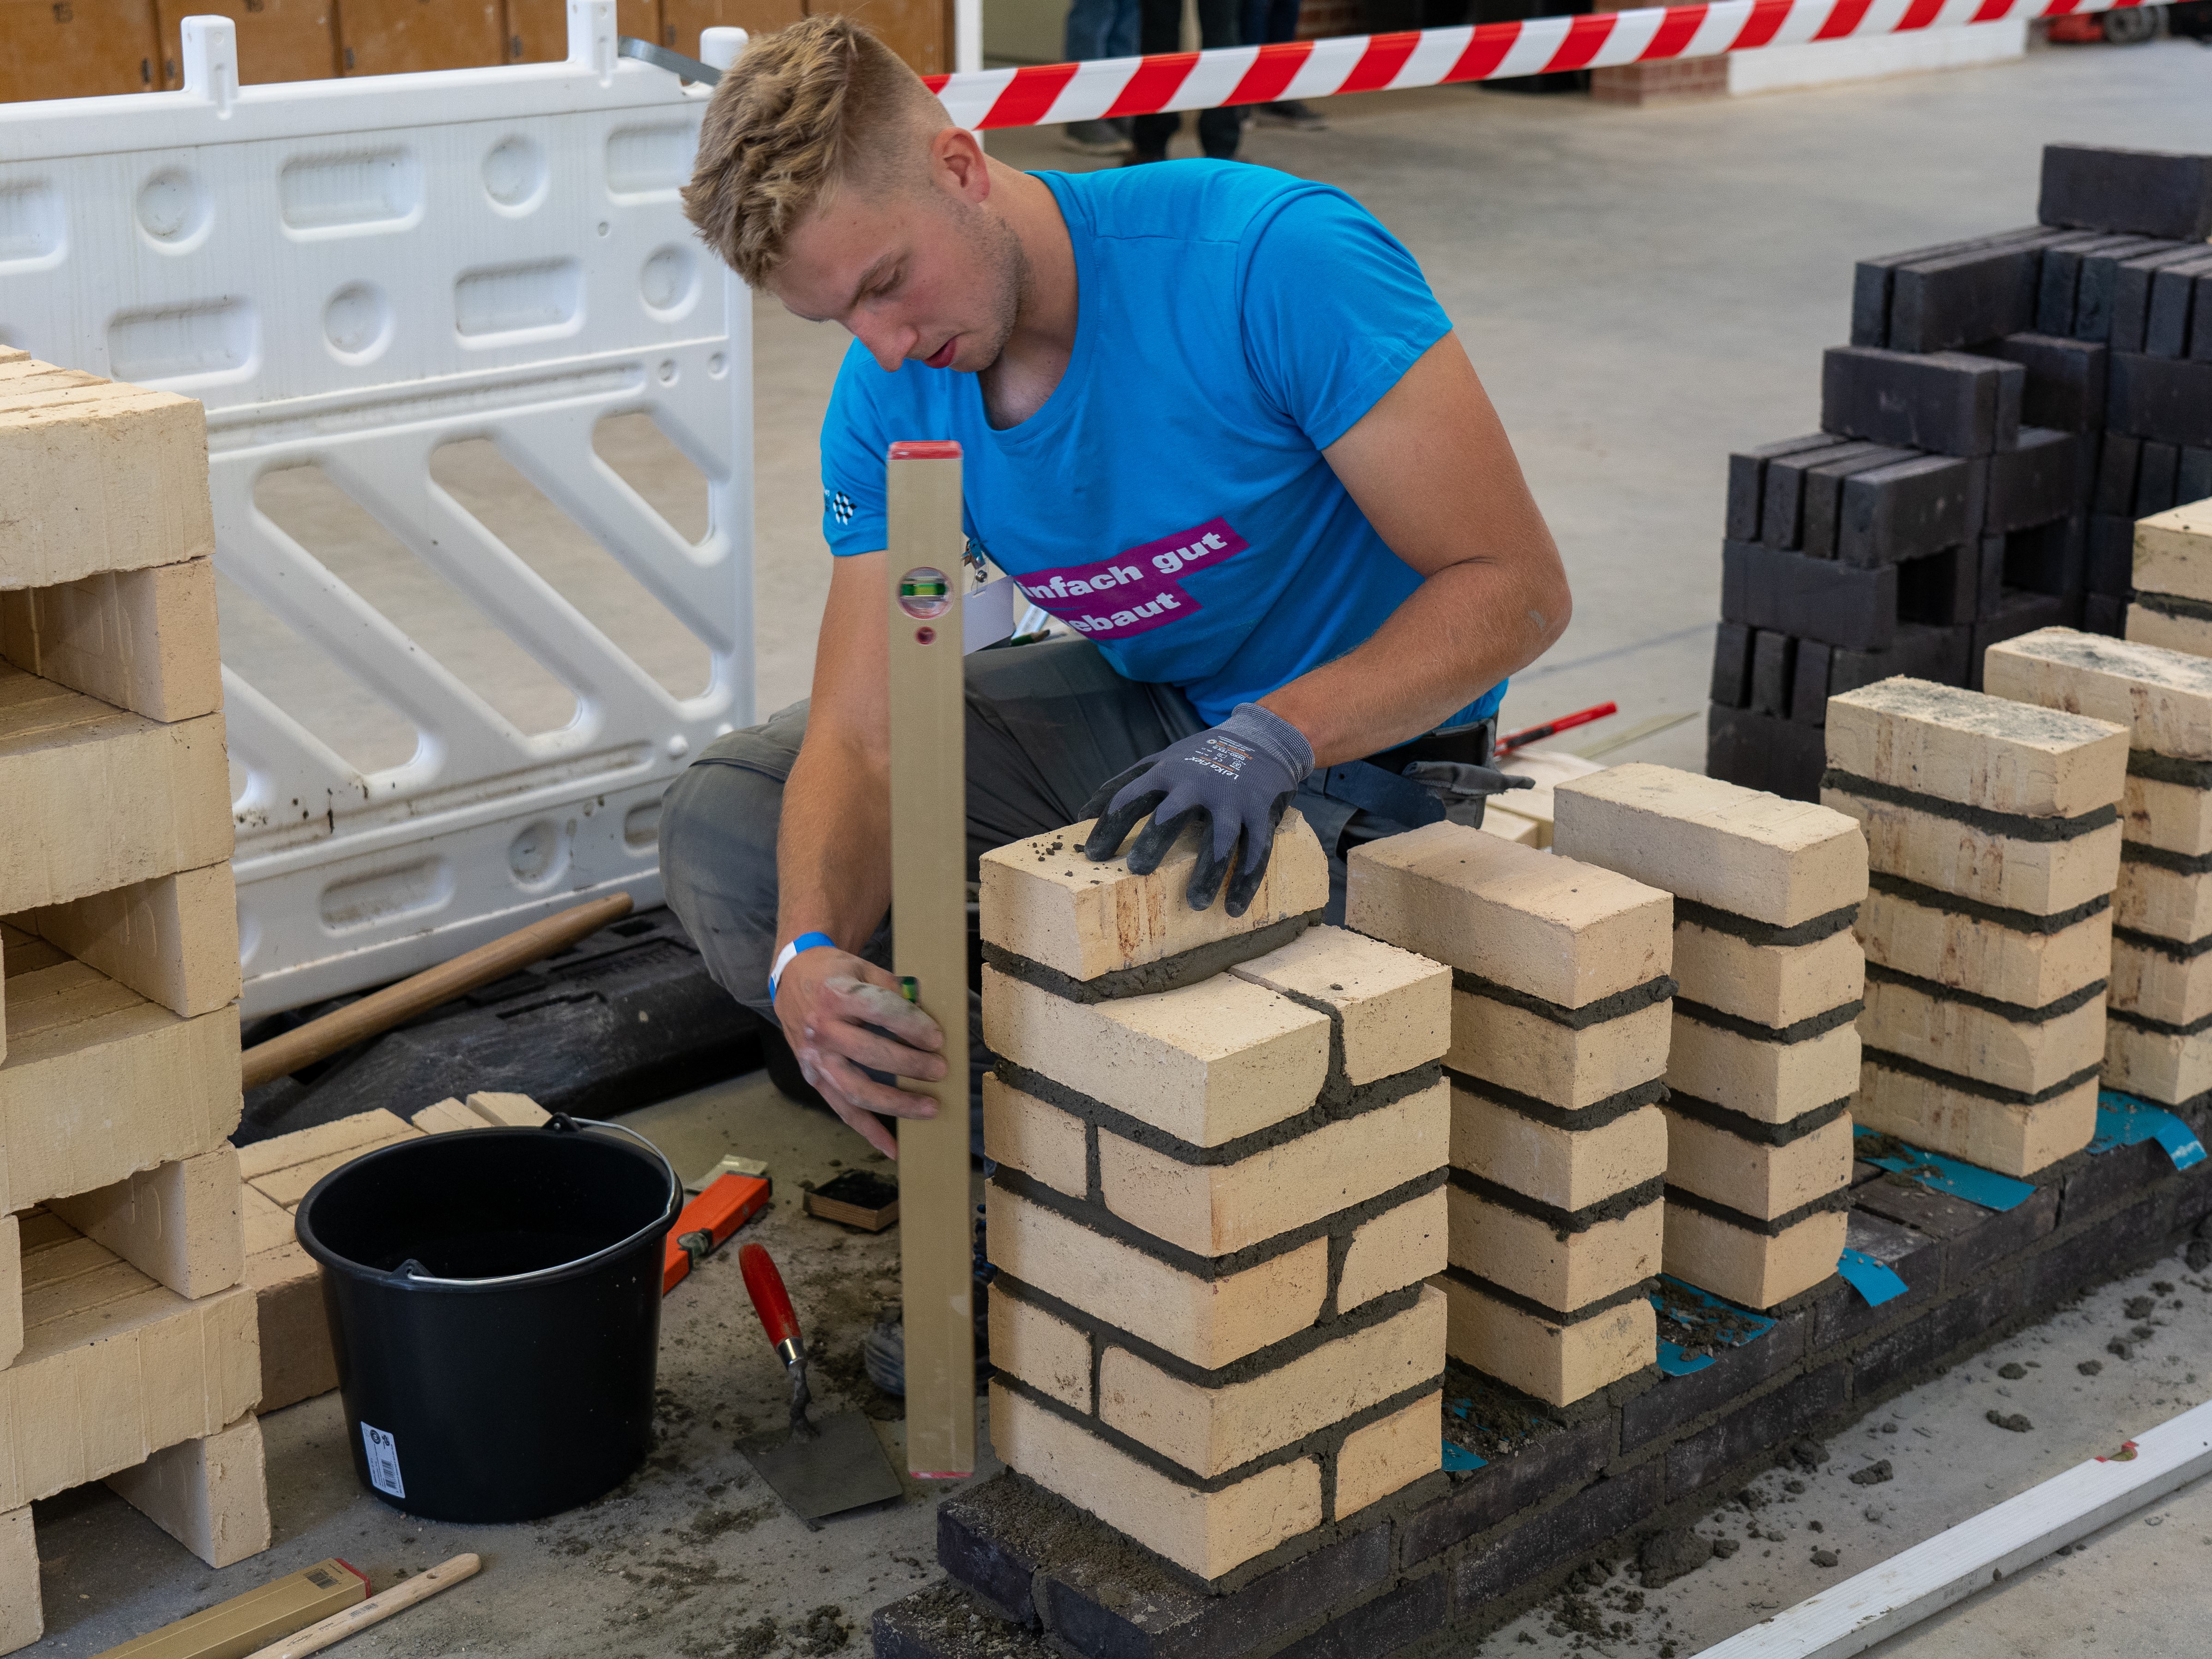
(803, 942)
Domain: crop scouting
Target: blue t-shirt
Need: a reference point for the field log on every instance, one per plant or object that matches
(1170, 500)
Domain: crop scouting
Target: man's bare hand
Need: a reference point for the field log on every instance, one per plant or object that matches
(827, 1001)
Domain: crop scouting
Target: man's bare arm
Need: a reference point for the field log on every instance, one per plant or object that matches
(834, 873)
(1432, 467)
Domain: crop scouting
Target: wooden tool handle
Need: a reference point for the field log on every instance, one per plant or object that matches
(381, 1011)
(361, 1614)
(770, 1300)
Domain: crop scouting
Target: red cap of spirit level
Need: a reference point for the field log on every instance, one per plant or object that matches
(926, 449)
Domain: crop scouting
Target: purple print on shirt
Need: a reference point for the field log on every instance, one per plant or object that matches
(1136, 591)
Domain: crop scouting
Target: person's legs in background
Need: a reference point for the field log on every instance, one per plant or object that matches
(1270, 22)
(1218, 130)
(1100, 28)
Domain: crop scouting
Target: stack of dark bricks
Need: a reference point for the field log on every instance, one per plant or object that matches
(2008, 407)
(1033, 1577)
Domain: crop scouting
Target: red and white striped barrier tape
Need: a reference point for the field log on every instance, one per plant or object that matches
(1050, 93)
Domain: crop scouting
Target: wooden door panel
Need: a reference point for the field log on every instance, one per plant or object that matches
(914, 29)
(398, 37)
(537, 30)
(681, 21)
(77, 48)
(277, 40)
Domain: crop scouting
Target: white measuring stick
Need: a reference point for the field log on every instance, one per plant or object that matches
(1984, 1550)
(361, 1614)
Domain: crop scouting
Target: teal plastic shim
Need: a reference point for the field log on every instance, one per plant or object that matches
(1948, 1175)
(1872, 1281)
(1740, 1325)
(1458, 1460)
(2123, 1120)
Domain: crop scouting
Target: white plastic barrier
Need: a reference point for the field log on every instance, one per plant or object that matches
(350, 274)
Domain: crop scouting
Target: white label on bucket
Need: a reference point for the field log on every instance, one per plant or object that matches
(383, 1460)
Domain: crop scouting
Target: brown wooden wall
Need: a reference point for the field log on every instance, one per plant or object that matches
(79, 48)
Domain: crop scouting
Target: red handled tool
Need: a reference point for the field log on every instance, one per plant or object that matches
(1521, 740)
(818, 1468)
(726, 1204)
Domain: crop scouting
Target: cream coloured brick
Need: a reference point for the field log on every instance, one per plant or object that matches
(142, 639)
(1049, 1354)
(2174, 816)
(1389, 1455)
(2175, 991)
(1037, 1139)
(507, 1111)
(2169, 632)
(1751, 1267)
(2163, 697)
(1567, 1169)
(1525, 1052)
(210, 1494)
(98, 798)
(99, 477)
(2012, 1140)
(1531, 1258)
(1750, 1176)
(297, 1360)
(2149, 898)
(99, 1083)
(1211, 1431)
(444, 1117)
(1214, 1209)
(1568, 932)
(289, 1185)
(1393, 1007)
(179, 1223)
(1558, 1362)
(1548, 769)
(1740, 850)
(1977, 749)
(11, 1290)
(1205, 1064)
(1987, 958)
(2173, 552)
(1040, 898)
(351, 1135)
(23, 1620)
(2159, 1066)
(2042, 878)
(2024, 1055)
(1772, 1082)
(174, 939)
(1394, 1249)
(1775, 985)
(1209, 1323)
(1206, 1534)
(1512, 826)
(265, 1224)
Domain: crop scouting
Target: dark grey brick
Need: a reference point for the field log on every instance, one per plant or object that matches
(1782, 517)
(1760, 1427)
(1946, 401)
(1905, 510)
(1761, 753)
(1555, 1537)
(1383, 1626)
(2022, 613)
(2148, 192)
(2037, 481)
(942, 1622)
(2101, 1251)
(2106, 1179)
(2119, 458)
(1809, 599)
(2101, 614)
(2163, 397)
(1939, 590)
(983, 1554)
(1746, 486)
(1842, 1314)
(2132, 294)
(1773, 668)
(1821, 515)
(1924, 652)
(2065, 386)
(1479, 1501)
(2160, 472)
(1680, 1399)
(1732, 663)
(2112, 563)
(1962, 298)
(2192, 478)
(2165, 332)
(1973, 1239)
(1949, 1325)
(2050, 559)
(1809, 688)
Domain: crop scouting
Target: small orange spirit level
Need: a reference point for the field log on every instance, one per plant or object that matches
(727, 1205)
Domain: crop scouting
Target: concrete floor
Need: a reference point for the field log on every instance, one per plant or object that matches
(1642, 291)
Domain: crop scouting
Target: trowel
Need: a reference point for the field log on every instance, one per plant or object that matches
(818, 1468)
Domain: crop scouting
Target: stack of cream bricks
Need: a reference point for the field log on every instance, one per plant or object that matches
(1559, 1035)
(1993, 833)
(2158, 1032)
(126, 1335)
(1764, 1055)
(1220, 1145)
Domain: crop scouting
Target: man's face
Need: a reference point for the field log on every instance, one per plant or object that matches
(923, 274)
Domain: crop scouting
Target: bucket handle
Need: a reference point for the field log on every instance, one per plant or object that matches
(562, 1122)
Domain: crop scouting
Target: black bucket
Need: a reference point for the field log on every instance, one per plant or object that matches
(495, 1300)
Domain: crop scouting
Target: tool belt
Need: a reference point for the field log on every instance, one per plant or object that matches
(1372, 798)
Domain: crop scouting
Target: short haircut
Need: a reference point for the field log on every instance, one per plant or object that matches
(803, 110)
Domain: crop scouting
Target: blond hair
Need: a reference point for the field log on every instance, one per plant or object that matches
(803, 110)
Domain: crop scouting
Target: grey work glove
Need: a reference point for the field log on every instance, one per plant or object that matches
(1235, 779)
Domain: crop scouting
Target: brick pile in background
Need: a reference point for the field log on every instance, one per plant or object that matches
(1765, 1058)
(1993, 833)
(2158, 1042)
(1560, 992)
(127, 1341)
(1220, 1147)
(2007, 407)
(2172, 603)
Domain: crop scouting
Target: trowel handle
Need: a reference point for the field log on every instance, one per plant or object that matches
(771, 1302)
